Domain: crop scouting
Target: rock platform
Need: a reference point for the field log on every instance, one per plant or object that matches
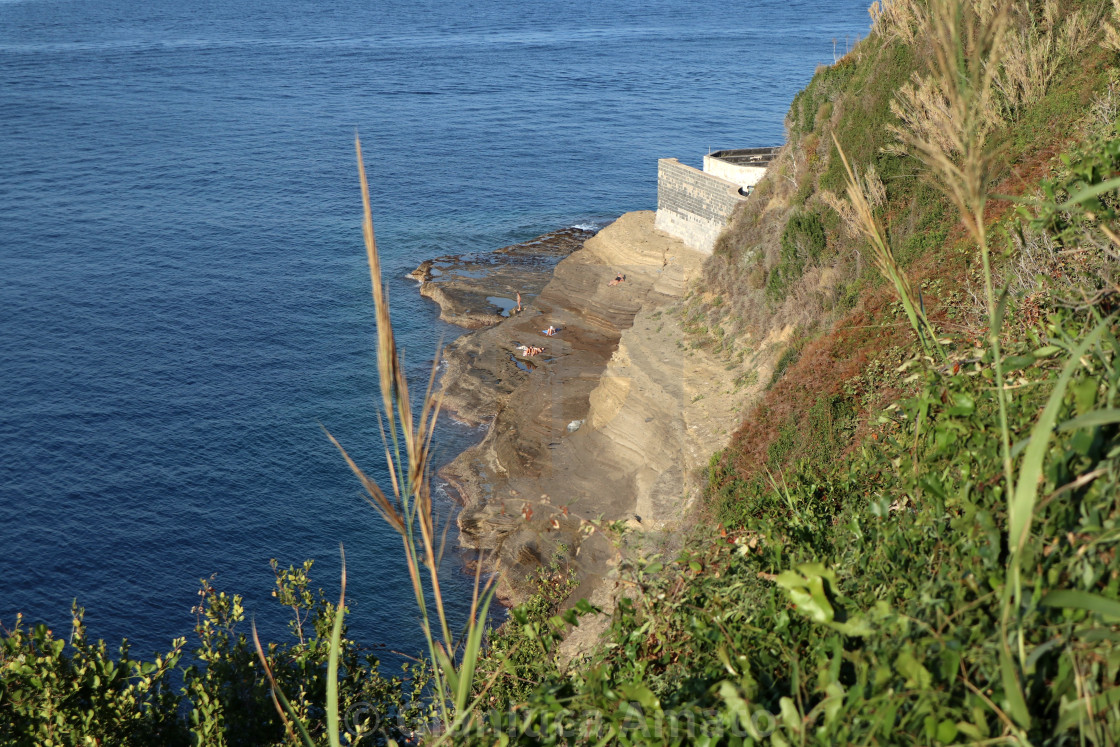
(480, 289)
(612, 423)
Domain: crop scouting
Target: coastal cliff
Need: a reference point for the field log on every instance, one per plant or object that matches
(610, 423)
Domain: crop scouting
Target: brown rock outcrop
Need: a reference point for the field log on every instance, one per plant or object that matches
(610, 423)
(479, 290)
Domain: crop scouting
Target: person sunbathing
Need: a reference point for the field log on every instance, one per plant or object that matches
(530, 350)
(549, 332)
(617, 279)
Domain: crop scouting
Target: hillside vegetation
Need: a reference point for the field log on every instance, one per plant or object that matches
(913, 535)
(911, 539)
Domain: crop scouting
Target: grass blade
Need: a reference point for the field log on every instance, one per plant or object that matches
(1082, 600)
(1089, 193)
(1021, 508)
(1017, 704)
(1091, 420)
(471, 651)
(332, 661)
(447, 666)
(278, 698)
(376, 498)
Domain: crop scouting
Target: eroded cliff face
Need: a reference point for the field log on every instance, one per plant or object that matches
(610, 423)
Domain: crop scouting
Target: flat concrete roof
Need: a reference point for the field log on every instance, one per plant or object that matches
(747, 156)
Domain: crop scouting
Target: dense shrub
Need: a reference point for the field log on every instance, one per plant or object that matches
(803, 241)
(56, 691)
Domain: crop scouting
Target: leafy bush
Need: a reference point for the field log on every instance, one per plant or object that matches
(521, 651)
(70, 692)
(56, 691)
(803, 241)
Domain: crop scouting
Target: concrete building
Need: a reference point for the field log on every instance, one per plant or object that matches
(695, 205)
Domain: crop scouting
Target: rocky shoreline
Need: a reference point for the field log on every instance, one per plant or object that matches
(611, 423)
(480, 289)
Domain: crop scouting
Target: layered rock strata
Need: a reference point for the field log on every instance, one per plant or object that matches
(609, 423)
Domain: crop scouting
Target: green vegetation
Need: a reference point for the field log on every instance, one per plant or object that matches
(913, 537)
(802, 242)
(526, 644)
(71, 691)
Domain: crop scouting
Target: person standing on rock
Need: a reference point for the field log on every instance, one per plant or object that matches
(519, 302)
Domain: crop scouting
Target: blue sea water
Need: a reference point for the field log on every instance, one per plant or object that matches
(183, 294)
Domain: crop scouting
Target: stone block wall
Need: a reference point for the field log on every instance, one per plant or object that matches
(692, 205)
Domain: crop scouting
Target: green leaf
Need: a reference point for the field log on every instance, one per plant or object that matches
(721, 653)
(970, 731)
(1089, 193)
(447, 667)
(790, 715)
(1039, 652)
(1016, 703)
(470, 654)
(807, 594)
(735, 702)
(806, 590)
(962, 405)
(584, 607)
(642, 695)
(1091, 420)
(332, 659)
(1021, 508)
(1084, 395)
(1017, 362)
(1082, 600)
(917, 676)
(834, 702)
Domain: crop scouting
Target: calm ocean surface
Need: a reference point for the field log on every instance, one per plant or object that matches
(183, 294)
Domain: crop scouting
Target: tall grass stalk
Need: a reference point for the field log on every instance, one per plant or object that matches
(885, 263)
(409, 511)
(966, 49)
(1038, 45)
(1111, 29)
(966, 52)
(966, 46)
(894, 19)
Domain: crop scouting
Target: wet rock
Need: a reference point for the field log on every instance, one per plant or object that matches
(480, 290)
